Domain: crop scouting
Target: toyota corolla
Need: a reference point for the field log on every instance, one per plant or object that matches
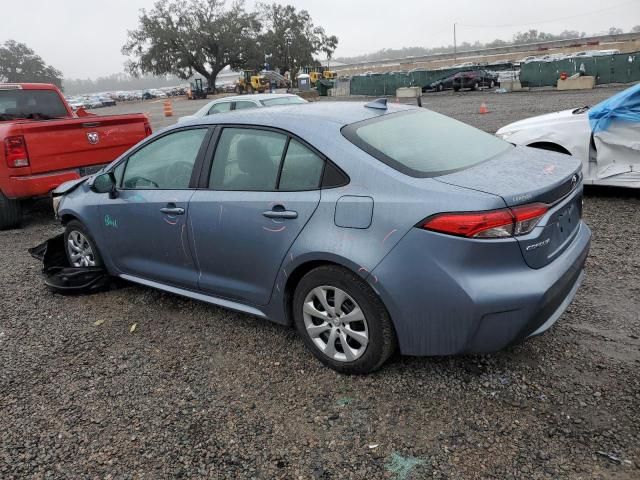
(369, 227)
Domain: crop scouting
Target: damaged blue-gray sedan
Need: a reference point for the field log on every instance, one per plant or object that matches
(370, 227)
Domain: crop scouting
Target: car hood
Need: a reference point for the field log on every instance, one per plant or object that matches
(548, 119)
(69, 186)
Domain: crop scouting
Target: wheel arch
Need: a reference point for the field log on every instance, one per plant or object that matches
(550, 146)
(296, 275)
(67, 217)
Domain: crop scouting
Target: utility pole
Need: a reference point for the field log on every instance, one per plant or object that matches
(455, 45)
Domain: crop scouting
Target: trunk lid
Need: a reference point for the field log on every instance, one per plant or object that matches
(526, 175)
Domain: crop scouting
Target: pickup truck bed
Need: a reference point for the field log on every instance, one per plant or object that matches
(45, 143)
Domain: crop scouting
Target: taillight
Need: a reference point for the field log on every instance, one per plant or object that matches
(15, 151)
(501, 223)
(147, 129)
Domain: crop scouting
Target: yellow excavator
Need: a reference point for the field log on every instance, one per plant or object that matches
(320, 73)
(252, 82)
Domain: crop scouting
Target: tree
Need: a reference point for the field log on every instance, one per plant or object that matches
(290, 39)
(635, 29)
(615, 31)
(180, 37)
(326, 44)
(20, 64)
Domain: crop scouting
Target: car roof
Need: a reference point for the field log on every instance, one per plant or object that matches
(256, 97)
(303, 116)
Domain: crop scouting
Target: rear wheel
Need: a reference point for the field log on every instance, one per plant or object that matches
(476, 86)
(10, 212)
(80, 247)
(440, 87)
(342, 321)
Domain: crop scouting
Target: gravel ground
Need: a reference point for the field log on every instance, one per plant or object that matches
(200, 392)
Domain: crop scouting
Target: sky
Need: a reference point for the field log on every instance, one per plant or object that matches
(83, 38)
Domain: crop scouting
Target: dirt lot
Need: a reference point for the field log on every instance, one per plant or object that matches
(200, 392)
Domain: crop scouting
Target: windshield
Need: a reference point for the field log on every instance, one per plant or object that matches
(270, 102)
(422, 143)
(31, 104)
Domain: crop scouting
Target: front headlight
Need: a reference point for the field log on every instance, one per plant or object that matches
(56, 204)
(505, 134)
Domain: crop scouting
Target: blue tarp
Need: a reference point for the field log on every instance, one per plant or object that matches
(622, 106)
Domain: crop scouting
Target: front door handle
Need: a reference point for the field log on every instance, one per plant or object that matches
(172, 210)
(280, 214)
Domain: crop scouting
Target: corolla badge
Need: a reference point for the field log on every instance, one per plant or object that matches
(543, 243)
(93, 137)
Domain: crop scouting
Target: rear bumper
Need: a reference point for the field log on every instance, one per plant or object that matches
(448, 295)
(29, 186)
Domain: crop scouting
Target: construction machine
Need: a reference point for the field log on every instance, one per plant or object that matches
(252, 82)
(195, 90)
(319, 73)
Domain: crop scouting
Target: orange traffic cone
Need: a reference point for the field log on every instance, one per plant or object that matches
(168, 109)
(483, 108)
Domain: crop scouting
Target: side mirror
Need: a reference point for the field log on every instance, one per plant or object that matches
(105, 183)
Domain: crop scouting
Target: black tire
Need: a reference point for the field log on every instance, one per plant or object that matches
(75, 225)
(476, 86)
(456, 89)
(10, 213)
(382, 337)
(440, 87)
(492, 84)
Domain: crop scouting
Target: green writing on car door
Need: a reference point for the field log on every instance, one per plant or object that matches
(110, 222)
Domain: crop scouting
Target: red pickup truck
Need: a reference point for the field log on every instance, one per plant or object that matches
(44, 143)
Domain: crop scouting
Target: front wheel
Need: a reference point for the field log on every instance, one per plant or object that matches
(342, 321)
(80, 247)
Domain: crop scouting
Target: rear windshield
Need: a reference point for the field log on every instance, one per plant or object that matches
(270, 102)
(422, 143)
(31, 104)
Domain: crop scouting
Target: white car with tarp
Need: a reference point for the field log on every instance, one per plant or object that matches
(606, 137)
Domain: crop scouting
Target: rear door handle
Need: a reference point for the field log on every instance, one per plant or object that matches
(172, 210)
(280, 214)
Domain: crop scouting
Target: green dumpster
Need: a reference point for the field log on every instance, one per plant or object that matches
(324, 86)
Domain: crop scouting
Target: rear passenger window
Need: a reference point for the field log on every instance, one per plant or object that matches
(302, 169)
(220, 108)
(243, 104)
(247, 159)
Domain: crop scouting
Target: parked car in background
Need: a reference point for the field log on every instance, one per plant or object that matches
(240, 102)
(603, 137)
(107, 101)
(44, 143)
(475, 80)
(445, 83)
(473, 244)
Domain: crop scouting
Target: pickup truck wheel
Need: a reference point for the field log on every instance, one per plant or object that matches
(80, 247)
(10, 213)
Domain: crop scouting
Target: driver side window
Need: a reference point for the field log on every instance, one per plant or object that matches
(166, 163)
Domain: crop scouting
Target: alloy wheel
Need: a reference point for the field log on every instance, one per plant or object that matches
(335, 323)
(79, 250)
